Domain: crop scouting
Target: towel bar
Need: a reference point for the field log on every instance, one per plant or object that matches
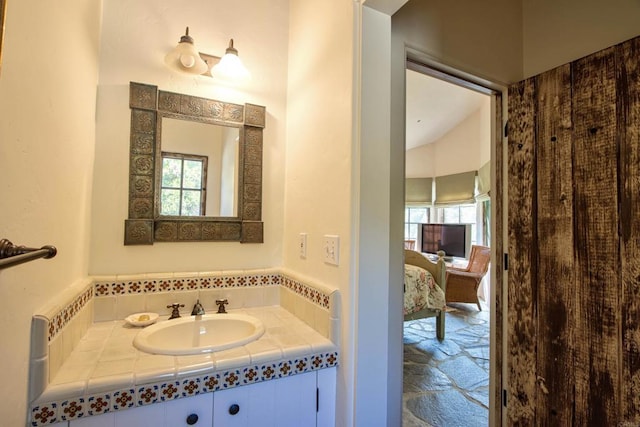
(11, 254)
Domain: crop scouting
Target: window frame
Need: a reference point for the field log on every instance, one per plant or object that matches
(204, 160)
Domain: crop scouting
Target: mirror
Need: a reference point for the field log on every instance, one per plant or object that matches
(195, 169)
(198, 174)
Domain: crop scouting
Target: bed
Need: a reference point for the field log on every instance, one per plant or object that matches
(424, 288)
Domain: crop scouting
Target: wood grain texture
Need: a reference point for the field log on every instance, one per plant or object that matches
(555, 303)
(584, 272)
(628, 132)
(498, 262)
(596, 243)
(521, 334)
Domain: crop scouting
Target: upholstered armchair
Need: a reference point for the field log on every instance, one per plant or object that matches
(462, 283)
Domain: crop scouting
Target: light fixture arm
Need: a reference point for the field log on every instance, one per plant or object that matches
(232, 50)
(186, 38)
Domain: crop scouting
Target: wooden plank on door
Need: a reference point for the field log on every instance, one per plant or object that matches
(555, 248)
(628, 129)
(596, 241)
(498, 262)
(521, 288)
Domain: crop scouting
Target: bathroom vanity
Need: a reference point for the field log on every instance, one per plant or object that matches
(91, 374)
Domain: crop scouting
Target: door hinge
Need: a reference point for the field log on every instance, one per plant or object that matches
(504, 398)
(506, 262)
(317, 399)
(506, 129)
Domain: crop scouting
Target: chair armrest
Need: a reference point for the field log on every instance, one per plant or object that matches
(476, 276)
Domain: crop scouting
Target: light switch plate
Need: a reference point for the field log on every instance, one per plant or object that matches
(331, 249)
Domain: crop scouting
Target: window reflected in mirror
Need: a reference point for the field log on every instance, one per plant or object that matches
(182, 191)
(203, 182)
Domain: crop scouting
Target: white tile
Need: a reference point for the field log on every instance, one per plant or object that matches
(39, 337)
(70, 373)
(113, 368)
(335, 304)
(253, 296)
(154, 375)
(334, 331)
(90, 345)
(194, 365)
(129, 304)
(80, 357)
(263, 350)
(272, 295)
(57, 392)
(146, 362)
(232, 358)
(287, 299)
(321, 321)
(108, 383)
(104, 309)
(55, 356)
(113, 353)
(38, 377)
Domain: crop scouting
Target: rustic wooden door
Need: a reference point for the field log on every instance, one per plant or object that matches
(573, 335)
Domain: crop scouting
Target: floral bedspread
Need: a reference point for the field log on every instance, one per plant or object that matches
(421, 290)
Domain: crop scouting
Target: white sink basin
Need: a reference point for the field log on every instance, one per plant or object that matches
(199, 334)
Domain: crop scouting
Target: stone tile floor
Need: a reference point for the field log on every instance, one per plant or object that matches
(446, 384)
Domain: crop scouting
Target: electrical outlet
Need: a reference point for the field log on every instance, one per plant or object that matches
(302, 245)
(331, 249)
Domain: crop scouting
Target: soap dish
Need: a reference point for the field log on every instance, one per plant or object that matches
(141, 319)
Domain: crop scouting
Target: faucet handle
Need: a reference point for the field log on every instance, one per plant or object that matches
(221, 303)
(175, 312)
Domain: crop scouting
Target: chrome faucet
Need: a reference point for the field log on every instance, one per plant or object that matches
(198, 309)
(175, 312)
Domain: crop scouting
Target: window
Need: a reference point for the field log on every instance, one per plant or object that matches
(182, 192)
(459, 214)
(413, 216)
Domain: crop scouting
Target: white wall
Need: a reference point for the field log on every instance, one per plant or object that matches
(47, 107)
(318, 154)
(480, 38)
(135, 38)
(464, 148)
(557, 32)
(204, 140)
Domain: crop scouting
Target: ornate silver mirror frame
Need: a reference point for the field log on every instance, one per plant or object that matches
(144, 227)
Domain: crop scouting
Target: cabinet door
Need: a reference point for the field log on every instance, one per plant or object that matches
(103, 420)
(326, 416)
(231, 407)
(197, 410)
(295, 404)
(151, 415)
(285, 402)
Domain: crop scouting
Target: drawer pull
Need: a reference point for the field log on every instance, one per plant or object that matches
(192, 419)
(234, 409)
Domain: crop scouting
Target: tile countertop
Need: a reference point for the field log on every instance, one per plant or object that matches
(105, 358)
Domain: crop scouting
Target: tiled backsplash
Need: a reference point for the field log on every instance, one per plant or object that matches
(57, 330)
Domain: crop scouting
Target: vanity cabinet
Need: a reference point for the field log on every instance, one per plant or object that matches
(176, 413)
(297, 401)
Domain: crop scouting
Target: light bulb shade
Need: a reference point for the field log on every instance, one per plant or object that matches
(230, 66)
(185, 58)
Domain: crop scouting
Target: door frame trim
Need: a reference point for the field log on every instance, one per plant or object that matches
(416, 61)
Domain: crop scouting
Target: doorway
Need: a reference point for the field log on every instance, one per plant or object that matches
(436, 157)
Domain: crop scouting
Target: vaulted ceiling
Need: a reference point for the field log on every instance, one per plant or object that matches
(435, 107)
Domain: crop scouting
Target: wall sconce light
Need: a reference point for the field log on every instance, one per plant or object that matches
(185, 58)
